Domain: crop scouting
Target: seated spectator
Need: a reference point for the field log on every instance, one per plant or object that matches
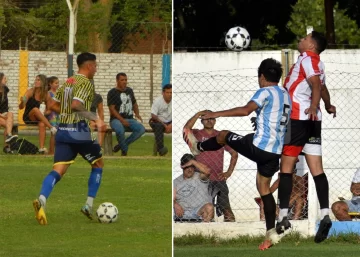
(161, 118)
(34, 101)
(122, 106)
(6, 117)
(192, 200)
(53, 117)
(342, 208)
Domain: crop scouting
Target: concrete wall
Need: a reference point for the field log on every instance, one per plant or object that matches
(136, 66)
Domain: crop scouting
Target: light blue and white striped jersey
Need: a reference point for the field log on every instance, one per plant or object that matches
(272, 118)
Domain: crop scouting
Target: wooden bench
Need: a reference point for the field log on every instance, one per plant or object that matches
(108, 139)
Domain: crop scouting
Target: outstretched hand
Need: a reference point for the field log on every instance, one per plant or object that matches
(208, 115)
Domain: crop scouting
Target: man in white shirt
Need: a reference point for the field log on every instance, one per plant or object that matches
(161, 118)
(342, 208)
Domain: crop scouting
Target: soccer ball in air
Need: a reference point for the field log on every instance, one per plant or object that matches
(237, 39)
(107, 213)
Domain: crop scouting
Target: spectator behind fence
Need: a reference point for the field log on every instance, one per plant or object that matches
(215, 161)
(53, 117)
(192, 200)
(34, 102)
(122, 106)
(97, 107)
(298, 196)
(6, 117)
(341, 209)
(161, 118)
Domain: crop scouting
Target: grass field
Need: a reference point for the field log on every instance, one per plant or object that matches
(139, 186)
(245, 246)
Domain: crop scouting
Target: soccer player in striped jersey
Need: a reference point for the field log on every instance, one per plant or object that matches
(74, 136)
(272, 105)
(306, 86)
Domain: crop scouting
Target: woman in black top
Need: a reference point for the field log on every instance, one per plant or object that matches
(6, 117)
(34, 113)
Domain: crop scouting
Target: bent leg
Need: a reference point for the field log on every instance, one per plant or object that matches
(341, 211)
(137, 131)
(206, 212)
(119, 129)
(158, 129)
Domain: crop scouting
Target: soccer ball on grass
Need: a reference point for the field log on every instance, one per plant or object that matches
(107, 213)
(237, 39)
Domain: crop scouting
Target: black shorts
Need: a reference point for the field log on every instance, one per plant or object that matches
(267, 163)
(301, 133)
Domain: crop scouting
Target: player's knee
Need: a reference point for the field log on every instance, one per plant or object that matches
(220, 138)
(98, 164)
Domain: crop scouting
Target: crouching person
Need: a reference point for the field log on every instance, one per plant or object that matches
(192, 200)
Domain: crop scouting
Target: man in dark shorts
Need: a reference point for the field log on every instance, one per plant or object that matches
(74, 136)
(306, 86)
(273, 107)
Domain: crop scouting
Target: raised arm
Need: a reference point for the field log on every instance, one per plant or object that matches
(234, 112)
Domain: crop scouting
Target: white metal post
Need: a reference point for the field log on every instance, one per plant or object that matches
(72, 11)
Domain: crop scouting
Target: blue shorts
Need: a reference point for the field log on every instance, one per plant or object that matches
(73, 139)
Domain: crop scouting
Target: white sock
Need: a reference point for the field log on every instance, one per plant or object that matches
(324, 212)
(283, 213)
(90, 201)
(42, 200)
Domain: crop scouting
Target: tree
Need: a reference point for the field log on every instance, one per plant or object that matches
(311, 13)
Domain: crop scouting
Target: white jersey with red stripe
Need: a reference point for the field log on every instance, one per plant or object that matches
(307, 65)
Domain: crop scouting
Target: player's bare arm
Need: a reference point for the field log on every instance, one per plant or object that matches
(325, 95)
(315, 84)
(80, 109)
(114, 113)
(235, 112)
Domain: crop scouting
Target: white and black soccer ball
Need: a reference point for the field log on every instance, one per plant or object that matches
(237, 39)
(107, 213)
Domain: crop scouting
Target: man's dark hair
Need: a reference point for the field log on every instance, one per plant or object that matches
(271, 69)
(167, 86)
(186, 158)
(84, 57)
(120, 74)
(320, 39)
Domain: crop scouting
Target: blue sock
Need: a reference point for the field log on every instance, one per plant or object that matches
(94, 181)
(49, 182)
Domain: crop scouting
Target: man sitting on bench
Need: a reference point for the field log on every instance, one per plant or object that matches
(343, 209)
(192, 200)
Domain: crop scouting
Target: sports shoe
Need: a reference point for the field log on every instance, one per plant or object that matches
(163, 151)
(53, 130)
(271, 238)
(43, 150)
(324, 228)
(283, 226)
(10, 138)
(191, 141)
(86, 210)
(39, 212)
(116, 148)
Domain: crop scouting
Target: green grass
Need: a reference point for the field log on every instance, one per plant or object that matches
(196, 245)
(140, 187)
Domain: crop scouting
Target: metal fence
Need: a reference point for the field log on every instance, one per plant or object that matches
(225, 89)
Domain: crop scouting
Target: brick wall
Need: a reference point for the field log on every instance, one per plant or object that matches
(136, 66)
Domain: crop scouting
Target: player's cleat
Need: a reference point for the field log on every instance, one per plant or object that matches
(10, 138)
(283, 226)
(324, 228)
(86, 210)
(191, 141)
(39, 212)
(271, 238)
